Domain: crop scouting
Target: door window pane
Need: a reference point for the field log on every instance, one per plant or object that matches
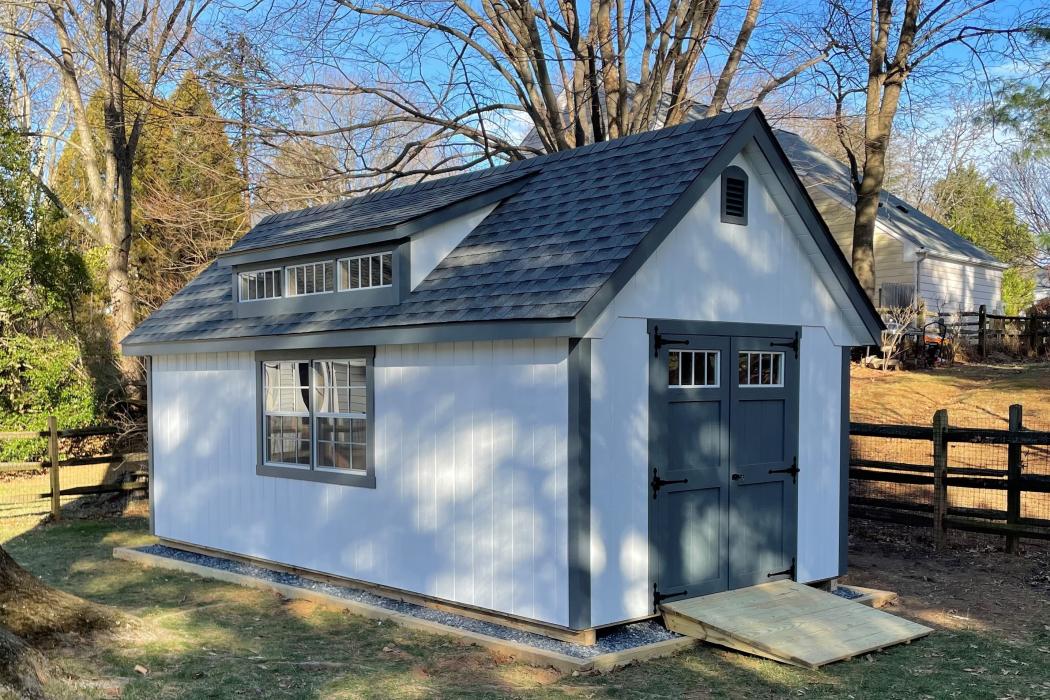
(758, 368)
(692, 368)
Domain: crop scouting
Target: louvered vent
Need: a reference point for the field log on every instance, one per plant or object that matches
(736, 198)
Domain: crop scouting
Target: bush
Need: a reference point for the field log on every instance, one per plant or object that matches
(41, 377)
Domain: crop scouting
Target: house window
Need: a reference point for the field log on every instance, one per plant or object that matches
(366, 271)
(310, 278)
(260, 284)
(734, 196)
(895, 295)
(692, 368)
(761, 369)
(315, 420)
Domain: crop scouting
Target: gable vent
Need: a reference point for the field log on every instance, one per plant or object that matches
(734, 196)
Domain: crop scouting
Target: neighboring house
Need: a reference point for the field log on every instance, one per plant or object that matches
(912, 250)
(516, 390)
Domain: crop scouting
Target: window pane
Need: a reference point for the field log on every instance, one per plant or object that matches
(712, 368)
(388, 273)
(686, 368)
(754, 376)
(329, 273)
(358, 457)
(358, 432)
(355, 273)
(742, 370)
(358, 401)
(673, 359)
(777, 377)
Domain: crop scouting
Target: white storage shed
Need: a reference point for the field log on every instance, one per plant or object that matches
(560, 390)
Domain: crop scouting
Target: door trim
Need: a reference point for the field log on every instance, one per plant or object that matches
(657, 451)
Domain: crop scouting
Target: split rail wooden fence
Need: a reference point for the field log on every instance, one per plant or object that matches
(132, 479)
(937, 511)
(982, 329)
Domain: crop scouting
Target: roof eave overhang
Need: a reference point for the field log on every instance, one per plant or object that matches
(394, 335)
(966, 259)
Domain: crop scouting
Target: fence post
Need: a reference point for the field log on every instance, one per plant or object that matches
(1013, 478)
(982, 330)
(52, 455)
(940, 473)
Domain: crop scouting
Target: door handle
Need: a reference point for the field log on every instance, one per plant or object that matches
(737, 477)
(657, 483)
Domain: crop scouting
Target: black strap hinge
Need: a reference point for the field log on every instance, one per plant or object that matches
(793, 344)
(659, 341)
(793, 470)
(659, 597)
(657, 483)
(790, 571)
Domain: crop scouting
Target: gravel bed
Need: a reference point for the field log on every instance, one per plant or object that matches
(847, 593)
(609, 640)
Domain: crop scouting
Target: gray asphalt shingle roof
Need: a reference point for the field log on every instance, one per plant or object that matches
(818, 169)
(542, 253)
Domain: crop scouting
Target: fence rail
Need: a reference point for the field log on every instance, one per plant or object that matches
(132, 479)
(984, 328)
(929, 505)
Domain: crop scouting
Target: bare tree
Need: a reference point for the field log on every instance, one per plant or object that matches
(888, 45)
(123, 51)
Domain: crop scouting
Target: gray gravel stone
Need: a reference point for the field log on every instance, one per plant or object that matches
(610, 640)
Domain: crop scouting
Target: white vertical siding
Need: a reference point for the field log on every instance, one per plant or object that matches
(955, 286)
(471, 464)
(709, 271)
(428, 248)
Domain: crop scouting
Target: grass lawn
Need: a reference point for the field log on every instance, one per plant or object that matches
(203, 639)
(976, 395)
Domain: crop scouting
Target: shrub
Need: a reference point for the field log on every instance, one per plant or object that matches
(41, 377)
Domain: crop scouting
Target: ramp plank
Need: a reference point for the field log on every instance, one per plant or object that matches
(789, 622)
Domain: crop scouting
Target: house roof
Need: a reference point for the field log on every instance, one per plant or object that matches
(818, 169)
(375, 211)
(546, 251)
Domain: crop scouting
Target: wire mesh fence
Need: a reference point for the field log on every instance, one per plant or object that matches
(995, 477)
(94, 463)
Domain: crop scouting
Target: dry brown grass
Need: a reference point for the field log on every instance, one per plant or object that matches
(976, 395)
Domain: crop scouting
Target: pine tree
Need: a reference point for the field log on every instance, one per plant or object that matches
(973, 207)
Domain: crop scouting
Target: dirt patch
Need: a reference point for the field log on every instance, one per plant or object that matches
(968, 587)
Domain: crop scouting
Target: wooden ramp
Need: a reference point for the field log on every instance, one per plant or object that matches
(789, 622)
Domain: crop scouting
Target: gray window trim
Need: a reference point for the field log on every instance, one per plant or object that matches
(736, 173)
(312, 473)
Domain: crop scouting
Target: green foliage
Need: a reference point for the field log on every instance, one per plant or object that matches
(1024, 105)
(1018, 291)
(41, 377)
(972, 206)
(41, 271)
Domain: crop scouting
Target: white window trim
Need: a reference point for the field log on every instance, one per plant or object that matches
(718, 369)
(343, 285)
(289, 286)
(749, 353)
(242, 275)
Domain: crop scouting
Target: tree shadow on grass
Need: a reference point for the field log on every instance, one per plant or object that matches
(207, 639)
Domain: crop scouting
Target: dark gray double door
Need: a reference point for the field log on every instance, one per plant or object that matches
(723, 457)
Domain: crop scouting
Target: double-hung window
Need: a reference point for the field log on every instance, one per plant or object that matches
(315, 417)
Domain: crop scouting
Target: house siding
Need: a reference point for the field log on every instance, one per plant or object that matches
(949, 286)
(470, 459)
(761, 273)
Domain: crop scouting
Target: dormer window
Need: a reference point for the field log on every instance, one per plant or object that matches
(734, 196)
(260, 284)
(366, 271)
(311, 278)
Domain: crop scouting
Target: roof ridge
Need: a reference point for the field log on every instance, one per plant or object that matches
(528, 164)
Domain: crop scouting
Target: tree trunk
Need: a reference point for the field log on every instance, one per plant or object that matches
(22, 668)
(867, 209)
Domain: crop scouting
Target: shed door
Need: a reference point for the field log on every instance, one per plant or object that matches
(723, 434)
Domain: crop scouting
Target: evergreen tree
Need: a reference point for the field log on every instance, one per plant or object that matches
(973, 207)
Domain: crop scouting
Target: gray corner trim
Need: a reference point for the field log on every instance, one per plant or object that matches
(396, 335)
(579, 483)
(386, 234)
(844, 448)
(150, 433)
(326, 476)
(736, 173)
